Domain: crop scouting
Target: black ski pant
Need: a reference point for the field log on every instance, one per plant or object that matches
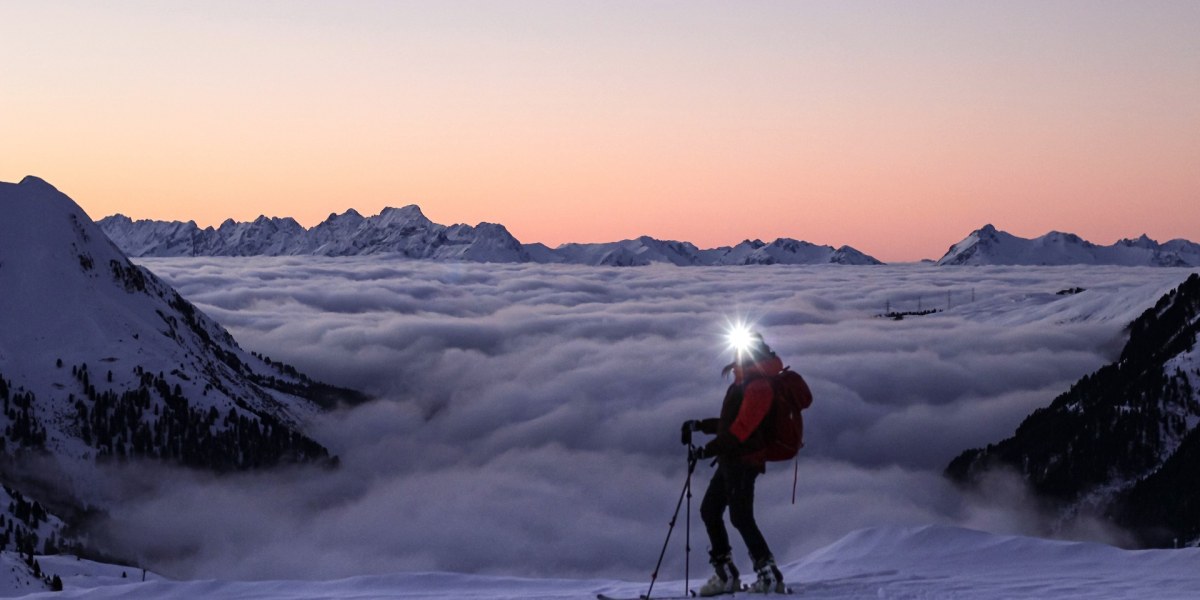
(732, 487)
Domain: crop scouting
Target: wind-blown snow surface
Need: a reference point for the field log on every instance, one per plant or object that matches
(528, 415)
(890, 562)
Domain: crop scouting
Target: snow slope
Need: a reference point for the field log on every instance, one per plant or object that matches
(888, 562)
(16, 578)
(990, 246)
(101, 360)
(79, 301)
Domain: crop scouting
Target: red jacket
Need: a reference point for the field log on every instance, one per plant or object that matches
(746, 404)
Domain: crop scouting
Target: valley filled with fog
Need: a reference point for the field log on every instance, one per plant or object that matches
(526, 417)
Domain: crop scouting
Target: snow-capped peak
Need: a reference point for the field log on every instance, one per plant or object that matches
(990, 246)
(406, 214)
(79, 322)
(349, 215)
(1143, 241)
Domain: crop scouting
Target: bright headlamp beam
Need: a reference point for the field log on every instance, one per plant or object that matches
(740, 337)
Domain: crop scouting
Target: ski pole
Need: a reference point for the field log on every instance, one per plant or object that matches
(687, 532)
(687, 485)
(795, 478)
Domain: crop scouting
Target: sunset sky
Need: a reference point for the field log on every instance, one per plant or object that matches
(894, 127)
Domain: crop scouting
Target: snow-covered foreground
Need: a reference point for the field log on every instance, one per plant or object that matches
(888, 562)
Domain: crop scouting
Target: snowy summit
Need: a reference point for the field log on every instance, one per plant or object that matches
(990, 246)
(101, 362)
(87, 327)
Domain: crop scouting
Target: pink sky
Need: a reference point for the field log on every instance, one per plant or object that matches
(896, 128)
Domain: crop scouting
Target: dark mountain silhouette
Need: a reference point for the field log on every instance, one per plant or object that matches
(1123, 442)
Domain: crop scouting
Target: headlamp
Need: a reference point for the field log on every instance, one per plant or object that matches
(740, 338)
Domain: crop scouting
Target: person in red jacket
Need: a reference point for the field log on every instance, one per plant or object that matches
(747, 402)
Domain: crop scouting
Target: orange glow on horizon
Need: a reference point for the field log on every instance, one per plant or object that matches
(896, 131)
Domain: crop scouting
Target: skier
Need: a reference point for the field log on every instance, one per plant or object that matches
(747, 402)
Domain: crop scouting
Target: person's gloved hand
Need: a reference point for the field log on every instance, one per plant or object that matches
(685, 432)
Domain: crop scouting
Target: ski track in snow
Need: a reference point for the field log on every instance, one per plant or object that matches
(884, 563)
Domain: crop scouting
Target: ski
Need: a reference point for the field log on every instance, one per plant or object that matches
(787, 591)
(690, 595)
(642, 597)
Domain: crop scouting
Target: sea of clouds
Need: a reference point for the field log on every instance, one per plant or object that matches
(526, 419)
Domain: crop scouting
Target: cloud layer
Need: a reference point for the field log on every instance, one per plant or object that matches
(527, 415)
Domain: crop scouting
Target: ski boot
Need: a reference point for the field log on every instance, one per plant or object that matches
(770, 579)
(725, 580)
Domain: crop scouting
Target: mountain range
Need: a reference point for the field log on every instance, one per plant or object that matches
(407, 232)
(101, 362)
(990, 246)
(1122, 443)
